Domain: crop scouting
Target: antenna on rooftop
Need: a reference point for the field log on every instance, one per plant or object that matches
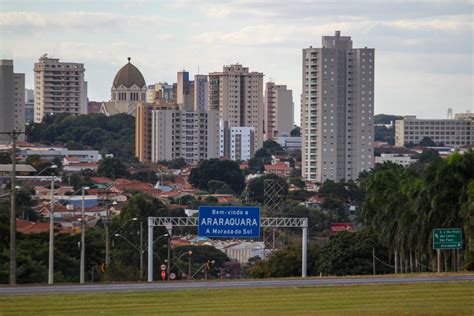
(450, 113)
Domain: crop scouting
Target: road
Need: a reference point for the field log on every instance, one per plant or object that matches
(181, 285)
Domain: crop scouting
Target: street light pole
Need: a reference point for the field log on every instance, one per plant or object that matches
(83, 241)
(169, 255)
(107, 238)
(51, 236)
(141, 250)
(189, 265)
(13, 214)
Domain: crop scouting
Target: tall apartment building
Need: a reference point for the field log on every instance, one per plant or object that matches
(12, 101)
(59, 88)
(279, 110)
(185, 91)
(337, 109)
(160, 91)
(237, 95)
(450, 132)
(143, 128)
(236, 143)
(29, 105)
(192, 135)
(201, 95)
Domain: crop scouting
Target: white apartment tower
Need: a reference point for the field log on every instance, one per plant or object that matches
(337, 109)
(59, 88)
(279, 110)
(12, 101)
(237, 95)
(193, 136)
(236, 143)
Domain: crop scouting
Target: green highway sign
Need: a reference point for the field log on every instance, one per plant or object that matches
(447, 238)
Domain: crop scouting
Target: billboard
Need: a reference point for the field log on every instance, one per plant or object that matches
(229, 221)
(337, 227)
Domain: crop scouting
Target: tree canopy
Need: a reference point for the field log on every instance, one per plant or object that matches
(108, 134)
(226, 171)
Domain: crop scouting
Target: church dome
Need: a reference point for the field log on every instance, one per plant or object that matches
(129, 75)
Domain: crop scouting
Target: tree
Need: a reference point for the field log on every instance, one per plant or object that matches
(285, 262)
(177, 163)
(110, 135)
(386, 118)
(256, 187)
(200, 255)
(351, 254)
(146, 176)
(427, 156)
(226, 171)
(297, 182)
(273, 147)
(427, 142)
(112, 168)
(263, 153)
(256, 165)
(296, 132)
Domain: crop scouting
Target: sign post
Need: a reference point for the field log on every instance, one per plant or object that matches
(229, 221)
(446, 238)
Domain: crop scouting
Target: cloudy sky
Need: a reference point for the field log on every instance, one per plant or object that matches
(424, 49)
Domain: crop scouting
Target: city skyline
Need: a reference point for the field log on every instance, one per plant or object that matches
(423, 65)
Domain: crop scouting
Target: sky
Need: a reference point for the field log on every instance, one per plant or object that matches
(423, 49)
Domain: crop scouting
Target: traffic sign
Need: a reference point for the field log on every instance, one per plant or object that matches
(163, 267)
(447, 238)
(229, 221)
(172, 276)
(163, 275)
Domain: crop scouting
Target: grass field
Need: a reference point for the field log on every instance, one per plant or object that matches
(455, 298)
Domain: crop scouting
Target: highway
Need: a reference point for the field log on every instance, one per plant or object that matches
(183, 285)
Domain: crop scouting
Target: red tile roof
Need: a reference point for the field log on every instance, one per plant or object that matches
(27, 227)
(101, 180)
(277, 166)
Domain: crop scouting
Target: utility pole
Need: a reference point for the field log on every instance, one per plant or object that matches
(169, 255)
(107, 243)
(189, 265)
(83, 241)
(373, 259)
(438, 261)
(141, 251)
(51, 236)
(13, 134)
(13, 213)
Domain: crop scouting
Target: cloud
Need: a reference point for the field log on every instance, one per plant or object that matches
(297, 9)
(75, 20)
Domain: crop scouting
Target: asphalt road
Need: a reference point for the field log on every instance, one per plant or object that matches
(180, 285)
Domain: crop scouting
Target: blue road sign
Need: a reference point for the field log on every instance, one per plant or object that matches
(229, 221)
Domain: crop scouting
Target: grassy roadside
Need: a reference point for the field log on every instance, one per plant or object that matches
(454, 298)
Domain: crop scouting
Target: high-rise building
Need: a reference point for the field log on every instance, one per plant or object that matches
(237, 95)
(185, 91)
(12, 101)
(160, 91)
(29, 105)
(279, 110)
(236, 143)
(59, 88)
(201, 97)
(337, 110)
(143, 127)
(192, 135)
(448, 132)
